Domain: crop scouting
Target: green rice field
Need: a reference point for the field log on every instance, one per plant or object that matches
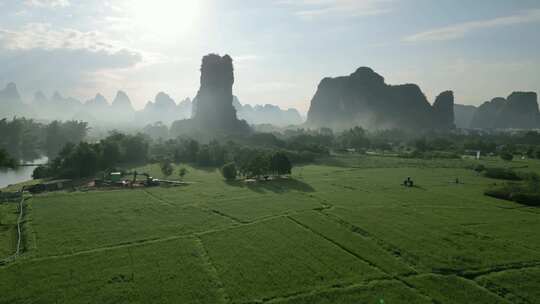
(343, 230)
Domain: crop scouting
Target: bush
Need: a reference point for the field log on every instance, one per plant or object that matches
(41, 172)
(166, 168)
(507, 156)
(517, 193)
(479, 168)
(229, 171)
(501, 173)
(182, 172)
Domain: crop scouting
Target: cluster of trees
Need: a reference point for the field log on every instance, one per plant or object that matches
(6, 161)
(86, 159)
(26, 139)
(167, 170)
(258, 164)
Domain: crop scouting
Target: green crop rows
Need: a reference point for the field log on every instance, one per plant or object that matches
(342, 231)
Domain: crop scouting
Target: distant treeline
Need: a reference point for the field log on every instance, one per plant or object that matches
(26, 139)
(253, 155)
(297, 145)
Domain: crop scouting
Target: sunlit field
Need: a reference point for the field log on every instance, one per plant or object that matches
(329, 234)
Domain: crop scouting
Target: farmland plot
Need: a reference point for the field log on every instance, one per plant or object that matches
(516, 285)
(453, 289)
(71, 222)
(8, 228)
(165, 272)
(276, 258)
(331, 234)
(431, 243)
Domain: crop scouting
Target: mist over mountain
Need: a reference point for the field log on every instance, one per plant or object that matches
(11, 103)
(363, 98)
(267, 114)
(360, 99)
(463, 115)
(518, 111)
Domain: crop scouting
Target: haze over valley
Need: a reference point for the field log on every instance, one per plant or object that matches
(272, 151)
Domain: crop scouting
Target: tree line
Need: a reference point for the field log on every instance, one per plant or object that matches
(26, 139)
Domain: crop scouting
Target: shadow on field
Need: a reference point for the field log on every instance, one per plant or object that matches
(207, 169)
(276, 186)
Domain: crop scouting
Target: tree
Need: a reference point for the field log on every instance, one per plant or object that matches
(229, 171)
(41, 172)
(5, 160)
(166, 168)
(354, 138)
(111, 154)
(182, 172)
(280, 163)
(507, 156)
(258, 165)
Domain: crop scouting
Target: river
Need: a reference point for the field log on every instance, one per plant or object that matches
(21, 174)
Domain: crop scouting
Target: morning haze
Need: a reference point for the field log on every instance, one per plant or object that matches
(310, 151)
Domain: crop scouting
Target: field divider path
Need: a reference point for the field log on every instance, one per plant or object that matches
(325, 289)
(111, 247)
(340, 246)
(159, 199)
(19, 232)
(222, 292)
(394, 277)
(391, 249)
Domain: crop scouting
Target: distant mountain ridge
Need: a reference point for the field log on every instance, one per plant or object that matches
(267, 114)
(364, 99)
(518, 111)
(121, 111)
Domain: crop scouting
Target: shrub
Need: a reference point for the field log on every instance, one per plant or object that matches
(507, 156)
(182, 172)
(479, 168)
(501, 173)
(41, 172)
(166, 168)
(229, 171)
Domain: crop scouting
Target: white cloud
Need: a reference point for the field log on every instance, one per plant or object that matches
(310, 9)
(460, 30)
(47, 3)
(44, 36)
(31, 54)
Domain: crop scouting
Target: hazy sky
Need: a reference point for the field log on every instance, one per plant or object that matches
(281, 48)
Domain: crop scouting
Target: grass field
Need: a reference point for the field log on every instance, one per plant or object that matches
(340, 231)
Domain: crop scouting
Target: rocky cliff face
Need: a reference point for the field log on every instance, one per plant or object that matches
(444, 110)
(518, 111)
(364, 99)
(213, 109)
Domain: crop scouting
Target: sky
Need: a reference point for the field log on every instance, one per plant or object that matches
(281, 48)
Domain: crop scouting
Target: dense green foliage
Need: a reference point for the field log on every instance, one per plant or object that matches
(166, 168)
(527, 192)
(229, 171)
(86, 159)
(27, 139)
(501, 173)
(5, 160)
